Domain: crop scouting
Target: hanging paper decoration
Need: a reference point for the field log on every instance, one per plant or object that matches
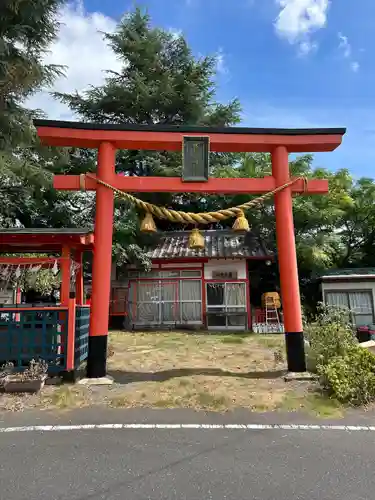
(35, 269)
(18, 272)
(55, 268)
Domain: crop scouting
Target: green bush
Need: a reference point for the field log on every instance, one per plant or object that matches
(350, 378)
(330, 335)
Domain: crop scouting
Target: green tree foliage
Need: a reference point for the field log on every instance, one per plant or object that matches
(334, 230)
(160, 82)
(26, 31)
(26, 195)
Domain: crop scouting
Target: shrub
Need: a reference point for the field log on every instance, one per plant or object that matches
(350, 378)
(330, 335)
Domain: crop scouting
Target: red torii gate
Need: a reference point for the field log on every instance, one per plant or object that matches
(108, 138)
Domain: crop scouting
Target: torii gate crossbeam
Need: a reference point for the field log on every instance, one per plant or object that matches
(108, 138)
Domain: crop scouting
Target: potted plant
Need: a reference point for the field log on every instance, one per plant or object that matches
(30, 380)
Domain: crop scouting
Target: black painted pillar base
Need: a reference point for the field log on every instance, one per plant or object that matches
(97, 357)
(70, 377)
(295, 352)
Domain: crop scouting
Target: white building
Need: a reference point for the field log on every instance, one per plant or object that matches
(351, 288)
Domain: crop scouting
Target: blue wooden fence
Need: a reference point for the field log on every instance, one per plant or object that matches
(81, 342)
(34, 333)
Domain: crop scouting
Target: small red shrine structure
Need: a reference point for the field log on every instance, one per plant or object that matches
(109, 138)
(69, 244)
(206, 288)
(58, 333)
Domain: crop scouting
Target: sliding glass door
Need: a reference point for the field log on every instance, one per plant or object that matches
(226, 305)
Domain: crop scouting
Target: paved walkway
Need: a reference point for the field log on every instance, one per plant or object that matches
(151, 462)
(102, 415)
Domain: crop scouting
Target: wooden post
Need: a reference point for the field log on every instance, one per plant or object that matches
(65, 276)
(288, 269)
(71, 333)
(102, 264)
(248, 300)
(79, 278)
(18, 295)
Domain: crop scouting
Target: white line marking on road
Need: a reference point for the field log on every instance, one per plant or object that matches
(243, 427)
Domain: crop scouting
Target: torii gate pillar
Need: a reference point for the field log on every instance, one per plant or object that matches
(288, 268)
(102, 264)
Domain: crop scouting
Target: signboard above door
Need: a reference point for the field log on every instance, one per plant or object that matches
(224, 275)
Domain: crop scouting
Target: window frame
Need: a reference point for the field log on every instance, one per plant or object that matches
(347, 292)
(225, 309)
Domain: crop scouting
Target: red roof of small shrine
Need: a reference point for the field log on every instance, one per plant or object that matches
(44, 239)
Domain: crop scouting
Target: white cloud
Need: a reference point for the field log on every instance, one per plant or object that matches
(306, 47)
(221, 66)
(355, 66)
(346, 49)
(80, 47)
(344, 45)
(299, 19)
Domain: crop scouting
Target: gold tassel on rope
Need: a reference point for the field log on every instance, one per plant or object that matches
(241, 223)
(196, 240)
(148, 224)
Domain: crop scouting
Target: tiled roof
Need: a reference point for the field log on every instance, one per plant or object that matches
(360, 271)
(218, 244)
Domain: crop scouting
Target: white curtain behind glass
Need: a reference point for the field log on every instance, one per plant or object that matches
(235, 294)
(191, 300)
(360, 302)
(361, 306)
(145, 309)
(339, 299)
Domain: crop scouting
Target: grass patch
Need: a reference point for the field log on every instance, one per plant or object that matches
(184, 370)
(214, 372)
(232, 340)
(65, 397)
(270, 341)
(184, 382)
(209, 401)
(314, 403)
(119, 402)
(165, 403)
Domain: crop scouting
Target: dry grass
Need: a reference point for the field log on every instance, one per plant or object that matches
(62, 397)
(210, 372)
(313, 403)
(66, 397)
(181, 370)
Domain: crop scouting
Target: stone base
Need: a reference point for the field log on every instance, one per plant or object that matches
(290, 376)
(96, 381)
(369, 345)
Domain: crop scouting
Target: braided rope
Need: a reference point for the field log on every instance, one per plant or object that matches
(189, 217)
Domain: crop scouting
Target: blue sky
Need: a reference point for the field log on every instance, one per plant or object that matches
(292, 63)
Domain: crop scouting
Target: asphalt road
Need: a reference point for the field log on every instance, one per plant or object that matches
(187, 464)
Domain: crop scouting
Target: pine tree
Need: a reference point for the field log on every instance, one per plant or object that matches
(160, 82)
(26, 31)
